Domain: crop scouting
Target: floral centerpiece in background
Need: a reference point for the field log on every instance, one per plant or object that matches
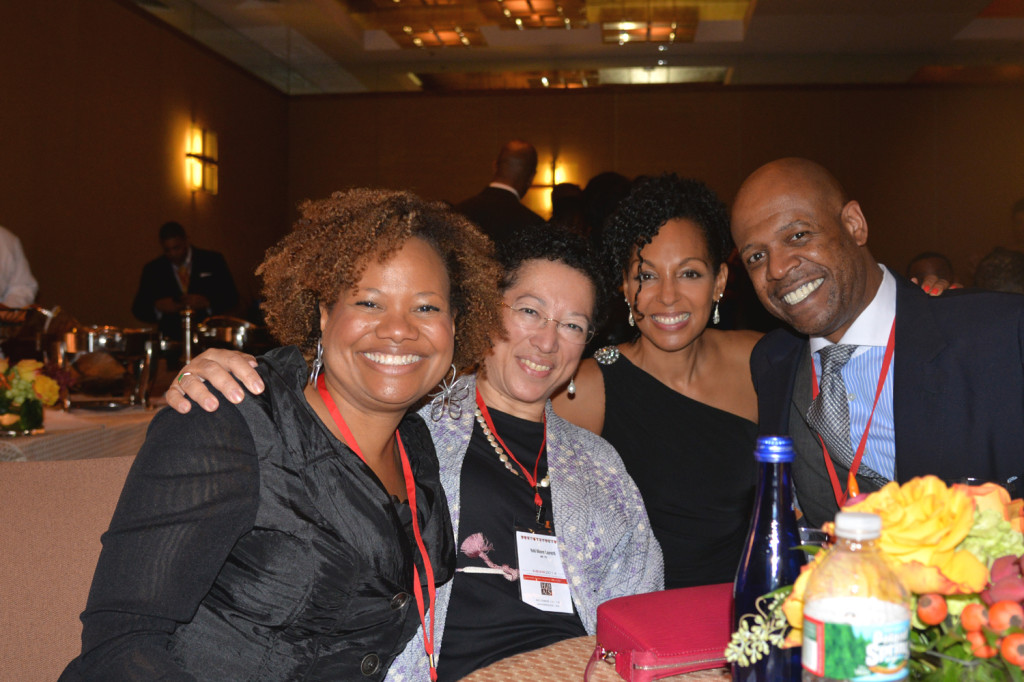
(958, 550)
(24, 389)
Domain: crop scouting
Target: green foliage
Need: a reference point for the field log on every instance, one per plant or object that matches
(759, 632)
(992, 537)
(31, 415)
(941, 654)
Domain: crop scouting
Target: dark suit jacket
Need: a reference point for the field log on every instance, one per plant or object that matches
(958, 393)
(210, 277)
(498, 213)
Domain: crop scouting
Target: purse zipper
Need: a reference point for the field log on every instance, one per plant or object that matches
(716, 659)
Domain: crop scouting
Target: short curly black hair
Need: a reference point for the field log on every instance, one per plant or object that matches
(651, 203)
(330, 247)
(554, 243)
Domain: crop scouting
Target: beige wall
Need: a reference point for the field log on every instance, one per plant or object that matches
(97, 98)
(97, 101)
(934, 168)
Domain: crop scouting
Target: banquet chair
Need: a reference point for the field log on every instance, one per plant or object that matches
(51, 517)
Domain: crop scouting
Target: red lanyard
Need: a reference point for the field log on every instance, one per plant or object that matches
(532, 480)
(851, 480)
(410, 488)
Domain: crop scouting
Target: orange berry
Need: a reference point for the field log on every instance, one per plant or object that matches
(974, 617)
(1005, 614)
(932, 609)
(1012, 649)
(980, 646)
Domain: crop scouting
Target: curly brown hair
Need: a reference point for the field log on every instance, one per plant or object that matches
(330, 247)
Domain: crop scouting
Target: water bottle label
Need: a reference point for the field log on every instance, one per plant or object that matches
(869, 652)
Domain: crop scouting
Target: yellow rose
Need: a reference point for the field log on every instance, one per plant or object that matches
(28, 369)
(923, 521)
(47, 389)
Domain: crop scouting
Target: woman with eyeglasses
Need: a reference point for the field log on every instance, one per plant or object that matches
(548, 523)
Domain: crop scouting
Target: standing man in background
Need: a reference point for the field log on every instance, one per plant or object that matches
(497, 210)
(17, 285)
(185, 276)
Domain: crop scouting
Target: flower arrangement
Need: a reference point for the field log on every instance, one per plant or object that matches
(958, 550)
(24, 389)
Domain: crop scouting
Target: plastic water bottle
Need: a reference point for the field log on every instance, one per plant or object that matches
(771, 558)
(856, 611)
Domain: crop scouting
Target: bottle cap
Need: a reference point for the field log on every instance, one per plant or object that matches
(774, 449)
(858, 525)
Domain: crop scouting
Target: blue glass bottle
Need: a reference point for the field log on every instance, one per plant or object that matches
(771, 557)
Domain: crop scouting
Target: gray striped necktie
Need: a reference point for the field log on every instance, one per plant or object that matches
(829, 413)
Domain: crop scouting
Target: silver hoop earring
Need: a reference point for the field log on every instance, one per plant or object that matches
(318, 362)
(715, 317)
(572, 386)
(450, 397)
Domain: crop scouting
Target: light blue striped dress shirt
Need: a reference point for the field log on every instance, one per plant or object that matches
(870, 331)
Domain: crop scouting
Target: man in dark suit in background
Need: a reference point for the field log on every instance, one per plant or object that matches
(952, 404)
(497, 209)
(185, 276)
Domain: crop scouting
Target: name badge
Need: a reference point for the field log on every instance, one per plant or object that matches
(542, 581)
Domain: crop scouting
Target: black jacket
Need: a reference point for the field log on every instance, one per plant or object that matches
(250, 544)
(210, 277)
(958, 393)
(498, 213)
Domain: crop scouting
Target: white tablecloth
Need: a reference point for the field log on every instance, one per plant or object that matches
(81, 434)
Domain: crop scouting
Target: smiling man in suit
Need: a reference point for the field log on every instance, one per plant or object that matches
(913, 384)
(185, 276)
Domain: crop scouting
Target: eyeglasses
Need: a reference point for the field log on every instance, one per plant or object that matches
(531, 320)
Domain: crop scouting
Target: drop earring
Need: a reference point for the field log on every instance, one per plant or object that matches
(572, 386)
(715, 317)
(632, 322)
(318, 362)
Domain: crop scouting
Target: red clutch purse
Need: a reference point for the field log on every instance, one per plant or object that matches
(660, 634)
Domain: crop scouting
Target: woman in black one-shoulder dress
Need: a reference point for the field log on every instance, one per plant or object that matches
(677, 402)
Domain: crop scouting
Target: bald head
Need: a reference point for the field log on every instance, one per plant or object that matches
(804, 244)
(794, 175)
(516, 165)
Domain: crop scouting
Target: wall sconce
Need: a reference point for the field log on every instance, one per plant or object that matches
(201, 160)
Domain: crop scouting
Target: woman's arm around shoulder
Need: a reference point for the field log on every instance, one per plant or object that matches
(586, 407)
(191, 493)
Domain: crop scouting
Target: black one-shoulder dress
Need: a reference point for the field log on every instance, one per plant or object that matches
(694, 466)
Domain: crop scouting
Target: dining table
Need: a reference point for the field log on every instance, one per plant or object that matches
(81, 433)
(567, 661)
